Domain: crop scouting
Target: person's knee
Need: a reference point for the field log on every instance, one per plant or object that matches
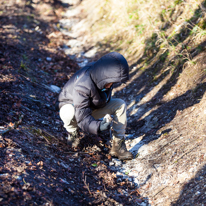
(121, 104)
(67, 112)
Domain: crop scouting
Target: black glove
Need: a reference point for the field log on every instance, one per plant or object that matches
(104, 125)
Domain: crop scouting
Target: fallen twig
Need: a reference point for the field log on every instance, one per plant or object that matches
(161, 148)
(16, 124)
(46, 135)
(185, 154)
(76, 152)
(37, 83)
(30, 110)
(160, 191)
(28, 97)
(105, 188)
(50, 135)
(87, 186)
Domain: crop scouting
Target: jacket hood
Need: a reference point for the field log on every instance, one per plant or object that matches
(112, 67)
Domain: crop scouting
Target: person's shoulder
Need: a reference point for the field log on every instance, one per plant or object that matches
(90, 64)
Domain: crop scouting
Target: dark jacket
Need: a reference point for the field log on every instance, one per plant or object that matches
(85, 89)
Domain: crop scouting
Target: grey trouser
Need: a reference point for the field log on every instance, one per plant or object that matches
(115, 107)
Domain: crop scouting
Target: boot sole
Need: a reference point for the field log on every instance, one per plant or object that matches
(113, 154)
(129, 158)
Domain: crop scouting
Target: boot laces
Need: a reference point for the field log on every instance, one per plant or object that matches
(122, 145)
(73, 136)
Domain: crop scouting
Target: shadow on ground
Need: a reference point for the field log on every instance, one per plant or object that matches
(166, 113)
(193, 192)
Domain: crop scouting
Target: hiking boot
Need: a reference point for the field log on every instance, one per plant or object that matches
(73, 139)
(119, 150)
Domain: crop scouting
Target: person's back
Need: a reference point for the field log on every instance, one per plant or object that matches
(86, 98)
(66, 95)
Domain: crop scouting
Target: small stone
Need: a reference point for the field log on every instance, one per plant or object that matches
(48, 59)
(40, 163)
(130, 179)
(91, 53)
(111, 163)
(83, 63)
(117, 162)
(128, 136)
(55, 89)
(119, 174)
(74, 43)
(71, 2)
(18, 177)
(4, 175)
(138, 200)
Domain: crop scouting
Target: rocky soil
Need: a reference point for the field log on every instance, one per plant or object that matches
(42, 44)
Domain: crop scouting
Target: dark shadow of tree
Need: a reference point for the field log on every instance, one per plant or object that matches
(193, 192)
(167, 112)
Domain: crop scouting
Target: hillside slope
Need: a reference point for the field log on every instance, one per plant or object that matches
(44, 42)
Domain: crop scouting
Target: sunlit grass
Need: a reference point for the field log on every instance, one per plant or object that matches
(130, 25)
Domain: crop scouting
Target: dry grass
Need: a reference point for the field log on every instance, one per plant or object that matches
(130, 26)
(193, 74)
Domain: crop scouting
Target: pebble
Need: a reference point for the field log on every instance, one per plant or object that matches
(130, 179)
(4, 175)
(71, 2)
(64, 165)
(143, 204)
(119, 174)
(55, 89)
(117, 162)
(83, 63)
(18, 177)
(91, 53)
(128, 136)
(111, 163)
(48, 59)
(74, 43)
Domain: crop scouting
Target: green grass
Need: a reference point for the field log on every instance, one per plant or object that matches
(149, 31)
(23, 65)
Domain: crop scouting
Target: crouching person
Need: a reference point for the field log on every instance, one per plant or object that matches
(86, 98)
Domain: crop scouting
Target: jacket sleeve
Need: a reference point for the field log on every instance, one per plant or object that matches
(81, 101)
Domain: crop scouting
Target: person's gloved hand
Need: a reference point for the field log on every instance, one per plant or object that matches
(104, 125)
